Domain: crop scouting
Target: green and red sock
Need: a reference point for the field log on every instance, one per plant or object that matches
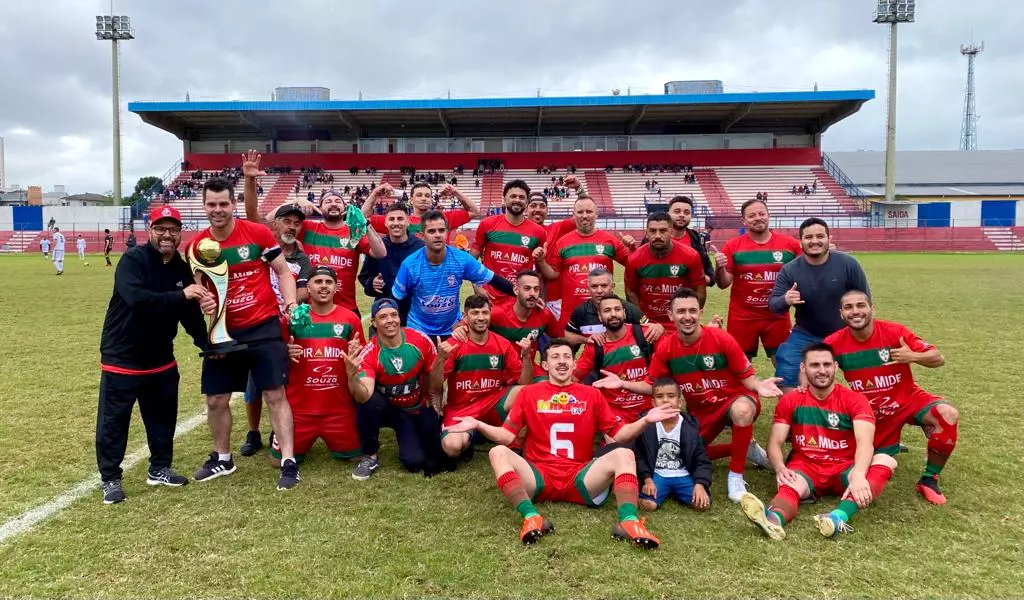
(627, 493)
(512, 486)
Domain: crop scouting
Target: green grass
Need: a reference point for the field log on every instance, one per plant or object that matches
(400, 535)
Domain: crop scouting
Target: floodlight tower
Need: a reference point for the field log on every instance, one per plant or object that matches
(892, 12)
(969, 128)
(115, 29)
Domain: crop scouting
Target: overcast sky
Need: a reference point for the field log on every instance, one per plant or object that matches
(55, 110)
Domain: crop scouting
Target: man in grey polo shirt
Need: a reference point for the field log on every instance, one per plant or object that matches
(814, 283)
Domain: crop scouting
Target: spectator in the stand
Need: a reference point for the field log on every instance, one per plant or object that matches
(764, 196)
(758, 196)
(793, 191)
(807, 190)
(814, 187)
(680, 208)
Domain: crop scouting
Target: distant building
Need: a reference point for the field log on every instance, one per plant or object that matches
(85, 200)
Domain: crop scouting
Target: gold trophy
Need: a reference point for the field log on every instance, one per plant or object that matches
(211, 271)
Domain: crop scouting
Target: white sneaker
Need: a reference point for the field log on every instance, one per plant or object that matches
(756, 456)
(736, 486)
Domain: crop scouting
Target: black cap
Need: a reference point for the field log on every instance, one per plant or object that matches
(324, 270)
(289, 209)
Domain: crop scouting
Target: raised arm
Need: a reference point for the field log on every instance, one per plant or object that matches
(250, 171)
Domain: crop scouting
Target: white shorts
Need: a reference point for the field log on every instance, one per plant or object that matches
(58, 255)
(555, 306)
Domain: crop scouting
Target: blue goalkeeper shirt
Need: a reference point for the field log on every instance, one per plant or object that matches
(434, 289)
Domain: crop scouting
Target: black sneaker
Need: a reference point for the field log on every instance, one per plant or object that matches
(253, 444)
(166, 476)
(364, 470)
(214, 468)
(112, 492)
(289, 475)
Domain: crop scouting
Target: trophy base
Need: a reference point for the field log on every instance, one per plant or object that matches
(223, 348)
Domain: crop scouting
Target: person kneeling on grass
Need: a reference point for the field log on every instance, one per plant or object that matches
(670, 457)
(832, 429)
(561, 419)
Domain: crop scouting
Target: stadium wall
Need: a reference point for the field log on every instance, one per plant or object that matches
(960, 213)
(88, 217)
(519, 160)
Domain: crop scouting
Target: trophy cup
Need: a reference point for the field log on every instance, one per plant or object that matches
(211, 271)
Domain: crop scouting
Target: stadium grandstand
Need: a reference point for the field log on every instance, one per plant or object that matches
(632, 153)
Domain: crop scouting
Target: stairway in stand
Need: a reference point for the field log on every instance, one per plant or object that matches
(1004, 239)
(23, 240)
(596, 183)
(718, 199)
(849, 204)
(395, 179)
(490, 191)
(279, 192)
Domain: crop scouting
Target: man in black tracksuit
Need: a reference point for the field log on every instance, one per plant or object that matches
(153, 291)
(378, 274)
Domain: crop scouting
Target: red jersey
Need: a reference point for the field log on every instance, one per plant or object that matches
(318, 383)
(540, 321)
(507, 249)
(654, 280)
(754, 268)
(708, 372)
(476, 370)
(863, 364)
(821, 431)
(250, 297)
(336, 249)
(400, 374)
(456, 218)
(561, 423)
(555, 231)
(625, 358)
(575, 255)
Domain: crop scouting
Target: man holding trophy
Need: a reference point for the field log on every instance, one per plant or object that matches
(233, 259)
(153, 292)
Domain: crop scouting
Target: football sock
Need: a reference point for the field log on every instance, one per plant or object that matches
(512, 486)
(627, 490)
(941, 443)
(224, 457)
(877, 476)
(741, 436)
(784, 504)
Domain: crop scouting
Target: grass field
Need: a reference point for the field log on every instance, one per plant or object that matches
(400, 535)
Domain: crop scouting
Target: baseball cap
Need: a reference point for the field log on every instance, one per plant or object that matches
(324, 270)
(327, 193)
(380, 304)
(289, 209)
(538, 196)
(164, 212)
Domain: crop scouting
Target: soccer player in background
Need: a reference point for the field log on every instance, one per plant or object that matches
(328, 242)
(108, 246)
(58, 250)
(813, 283)
(680, 208)
(655, 270)
(561, 419)
(388, 379)
(80, 246)
(432, 277)
(505, 243)
(253, 319)
(670, 457)
(421, 198)
(481, 374)
(573, 256)
(44, 245)
(750, 263)
(623, 353)
(318, 393)
(377, 275)
(718, 383)
(875, 357)
(831, 428)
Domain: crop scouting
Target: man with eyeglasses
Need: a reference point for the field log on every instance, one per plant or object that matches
(153, 292)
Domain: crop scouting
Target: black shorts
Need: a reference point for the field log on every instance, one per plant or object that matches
(265, 358)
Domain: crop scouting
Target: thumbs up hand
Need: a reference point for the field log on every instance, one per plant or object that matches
(902, 355)
(793, 296)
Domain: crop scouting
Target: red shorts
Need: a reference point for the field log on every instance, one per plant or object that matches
(771, 332)
(488, 409)
(824, 479)
(337, 430)
(565, 486)
(713, 418)
(890, 417)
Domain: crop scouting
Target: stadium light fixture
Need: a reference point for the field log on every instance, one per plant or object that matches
(892, 12)
(115, 28)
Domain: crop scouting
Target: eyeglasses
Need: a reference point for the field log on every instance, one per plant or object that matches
(161, 230)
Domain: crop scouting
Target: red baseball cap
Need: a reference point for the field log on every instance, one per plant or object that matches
(164, 212)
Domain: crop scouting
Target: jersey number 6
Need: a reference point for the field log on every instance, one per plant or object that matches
(557, 444)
